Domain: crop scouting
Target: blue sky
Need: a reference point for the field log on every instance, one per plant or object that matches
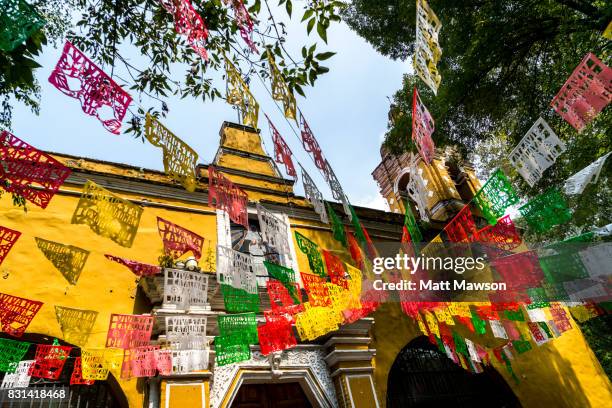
(347, 111)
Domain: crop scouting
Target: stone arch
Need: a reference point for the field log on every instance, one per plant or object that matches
(305, 367)
(422, 377)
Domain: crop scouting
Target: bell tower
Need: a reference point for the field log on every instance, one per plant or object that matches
(435, 192)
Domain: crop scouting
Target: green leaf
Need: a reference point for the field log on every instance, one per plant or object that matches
(324, 55)
(299, 90)
(310, 25)
(307, 14)
(256, 7)
(289, 7)
(322, 32)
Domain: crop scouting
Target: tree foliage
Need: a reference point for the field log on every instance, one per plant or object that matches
(111, 32)
(502, 63)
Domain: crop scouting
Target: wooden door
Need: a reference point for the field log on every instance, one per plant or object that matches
(283, 395)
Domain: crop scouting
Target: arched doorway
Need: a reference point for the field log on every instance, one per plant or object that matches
(422, 377)
(280, 395)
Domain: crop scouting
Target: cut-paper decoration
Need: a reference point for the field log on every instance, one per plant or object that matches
(163, 361)
(336, 189)
(311, 250)
(337, 227)
(411, 224)
(184, 289)
(427, 47)
(187, 361)
(239, 94)
(335, 269)
(585, 93)
(18, 379)
(417, 190)
(96, 90)
(189, 23)
(8, 237)
(97, 363)
(228, 352)
(138, 268)
(281, 273)
(225, 195)
(422, 128)
(238, 328)
(179, 159)
(536, 152)
(596, 260)
(239, 300)
(235, 268)
(503, 235)
(11, 353)
(521, 346)
(139, 362)
(76, 324)
(49, 361)
(498, 329)
(16, 313)
(186, 332)
(282, 152)
(314, 196)
(462, 228)
(520, 271)
(560, 318)
(495, 196)
(274, 231)
(77, 374)
(284, 298)
(29, 172)
(18, 21)
(129, 331)
(314, 322)
(546, 210)
(589, 175)
(244, 22)
(275, 336)
(68, 259)
(317, 290)
(107, 214)
(178, 240)
(311, 145)
(537, 333)
(280, 90)
(355, 250)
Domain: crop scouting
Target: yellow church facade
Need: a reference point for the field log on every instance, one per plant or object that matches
(355, 366)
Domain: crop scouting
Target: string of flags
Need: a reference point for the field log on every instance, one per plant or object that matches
(337, 292)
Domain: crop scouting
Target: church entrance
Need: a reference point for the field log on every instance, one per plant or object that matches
(282, 395)
(422, 377)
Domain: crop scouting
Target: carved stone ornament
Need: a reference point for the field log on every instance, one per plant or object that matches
(313, 360)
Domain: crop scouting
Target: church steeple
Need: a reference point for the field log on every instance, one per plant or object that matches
(242, 158)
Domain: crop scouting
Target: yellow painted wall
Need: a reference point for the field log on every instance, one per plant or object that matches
(561, 373)
(103, 286)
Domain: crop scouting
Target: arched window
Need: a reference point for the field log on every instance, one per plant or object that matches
(423, 377)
